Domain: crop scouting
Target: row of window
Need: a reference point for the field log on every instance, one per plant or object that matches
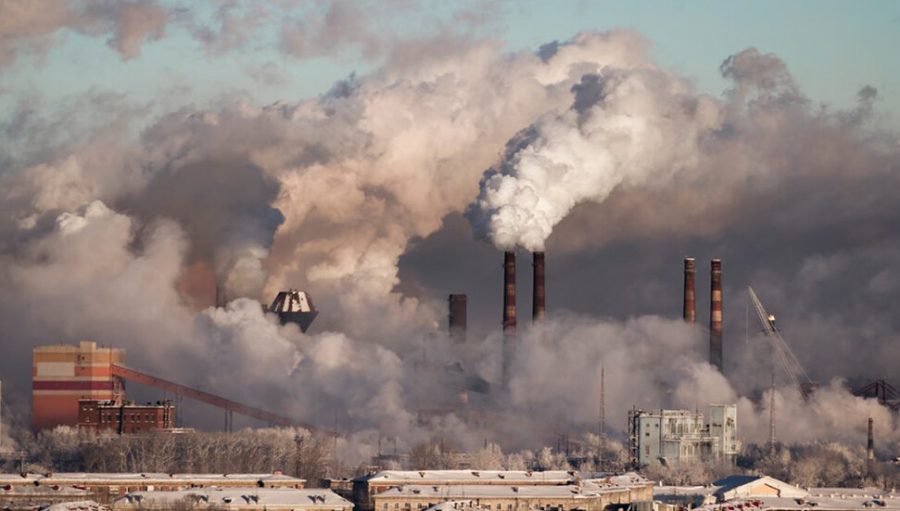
(128, 417)
(498, 507)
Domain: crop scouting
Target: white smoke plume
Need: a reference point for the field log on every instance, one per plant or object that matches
(102, 234)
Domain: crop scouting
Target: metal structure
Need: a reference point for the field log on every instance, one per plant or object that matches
(870, 449)
(881, 390)
(689, 311)
(205, 397)
(780, 348)
(293, 306)
(678, 435)
(539, 293)
(716, 357)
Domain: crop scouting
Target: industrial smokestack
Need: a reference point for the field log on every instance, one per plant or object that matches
(715, 314)
(509, 309)
(538, 308)
(870, 451)
(689, 311)
(456, 317)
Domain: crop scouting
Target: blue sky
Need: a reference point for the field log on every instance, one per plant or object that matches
(833, 48)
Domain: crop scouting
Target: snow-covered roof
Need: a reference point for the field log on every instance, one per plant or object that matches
(146, 477)
(471, 476)
(741, 486)
(483, 491)
(8, 490)
(887, 501)
(269, 498)
(80, 505)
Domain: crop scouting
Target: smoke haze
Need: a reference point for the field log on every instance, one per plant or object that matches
(368, 198)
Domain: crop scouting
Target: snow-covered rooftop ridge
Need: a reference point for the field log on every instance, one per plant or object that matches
(80, 505)
(145, 476)
(238, 497)
(456, 505)
(475, 491)
(848, 502)
(471, 475)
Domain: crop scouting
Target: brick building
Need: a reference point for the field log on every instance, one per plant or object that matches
(126, 417)
(63, 375)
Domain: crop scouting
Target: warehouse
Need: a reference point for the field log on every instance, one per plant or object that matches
(236, 499)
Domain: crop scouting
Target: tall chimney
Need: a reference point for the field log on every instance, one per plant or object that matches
(456, 317)
(509, 309)
(538, 308)
(689, 311)
(715, 314)
(870, 451)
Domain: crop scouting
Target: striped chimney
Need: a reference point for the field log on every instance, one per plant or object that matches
(870, 450)
(689, 311)
(509, 308)
(715, 314)
(538, 307)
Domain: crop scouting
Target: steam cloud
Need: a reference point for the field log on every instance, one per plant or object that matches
(107, 237)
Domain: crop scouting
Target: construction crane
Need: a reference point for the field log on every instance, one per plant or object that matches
(780, 348)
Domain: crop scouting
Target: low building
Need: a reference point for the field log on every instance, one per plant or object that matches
(34, 497)
(125, 417)
(79, 505)
(763, 493)
(235, 499)
(106, 487)
(366, 487)
(676, 435)
(584, 495)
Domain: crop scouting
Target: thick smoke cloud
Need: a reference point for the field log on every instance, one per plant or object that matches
(618, 167)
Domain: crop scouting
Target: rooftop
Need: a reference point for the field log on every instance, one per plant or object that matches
(238, 497)
(59, 477)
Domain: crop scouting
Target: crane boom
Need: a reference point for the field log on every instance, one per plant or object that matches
(782, 351)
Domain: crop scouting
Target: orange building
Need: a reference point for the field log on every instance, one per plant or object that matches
(125, 417)
(63, 375)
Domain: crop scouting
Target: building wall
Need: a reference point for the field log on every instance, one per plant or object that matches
(682, 435)
(62, 375)
(106, 416)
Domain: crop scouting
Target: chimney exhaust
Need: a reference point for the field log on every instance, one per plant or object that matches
(457, 317)
(509, 309)
(538, 307)
(689, 311)
(715, 314)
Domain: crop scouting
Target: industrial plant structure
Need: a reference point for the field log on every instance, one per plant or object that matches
(124, 416)
(674, 435)
(81, 384)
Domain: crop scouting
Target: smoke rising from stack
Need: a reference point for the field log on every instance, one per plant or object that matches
(332, 190)
(715, 314)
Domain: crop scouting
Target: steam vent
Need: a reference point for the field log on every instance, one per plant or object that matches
(294, 306)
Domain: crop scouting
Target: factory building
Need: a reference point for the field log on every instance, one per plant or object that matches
(106, 487)
(125, 417)
(235, 499)
(674, 435)
(64, 375)
(581, 494)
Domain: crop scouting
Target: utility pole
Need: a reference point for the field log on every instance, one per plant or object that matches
(298, 462)
(601, 438)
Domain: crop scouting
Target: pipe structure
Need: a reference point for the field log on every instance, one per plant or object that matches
(689, 311)
(538, 299)
(457, 317)
(509, 309)
(715, 314)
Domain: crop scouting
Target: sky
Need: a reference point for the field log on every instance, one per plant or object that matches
(832, 47)
(383, 154)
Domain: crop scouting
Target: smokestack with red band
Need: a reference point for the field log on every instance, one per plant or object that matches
(456, 317)
(689, 311)
(715, 314)
(870, 451)
(509, 309)
(537, 311)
